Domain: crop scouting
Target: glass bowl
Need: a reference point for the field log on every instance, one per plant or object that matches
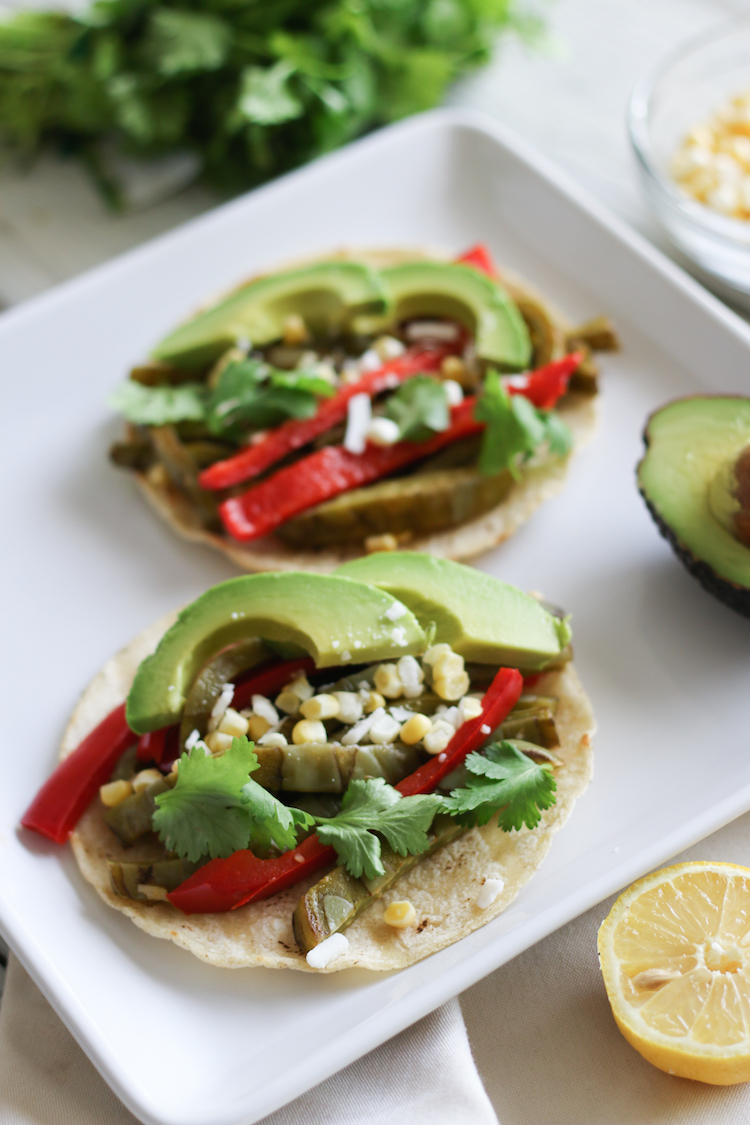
(685, 89)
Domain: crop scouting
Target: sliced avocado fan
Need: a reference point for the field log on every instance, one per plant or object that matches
(327, 295)
(337, 620)
(480, 617)
(695, 479)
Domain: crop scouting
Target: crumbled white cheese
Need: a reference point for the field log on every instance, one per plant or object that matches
(264, 707)
(398, 609)
(361, 729)
(359, 415)
(399, 636)
(485, 729)
(453, 392)
(191, 740)
(346, 655)
(221, 704)
(433, 329)
(383, 431)
(329, 950)
(453, 716)
(369, 361)
(384, 730)
(489, 891)
(411, 676)
(401, 713)
(335, 644)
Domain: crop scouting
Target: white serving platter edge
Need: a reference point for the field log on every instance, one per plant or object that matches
(666, 666)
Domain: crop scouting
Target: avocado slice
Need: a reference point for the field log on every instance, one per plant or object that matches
(480, 617)
(695, 479)
(327, 295)
(335, 619)
(478, 302)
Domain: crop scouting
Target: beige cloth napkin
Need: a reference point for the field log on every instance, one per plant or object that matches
(543, 1039)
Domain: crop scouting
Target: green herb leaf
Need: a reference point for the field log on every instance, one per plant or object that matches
(183, 41)
(419, 407)
(503, 780)
(253, 394)
(374, 806)
(265, 97)
(557, 433)
(515, 429)
(159, 406)
(216, 809)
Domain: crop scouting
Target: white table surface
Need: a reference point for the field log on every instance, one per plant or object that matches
(570, 101)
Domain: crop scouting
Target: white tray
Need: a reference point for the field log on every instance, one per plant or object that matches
(87, 566)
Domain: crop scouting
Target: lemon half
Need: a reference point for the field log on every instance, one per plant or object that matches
(675, 954)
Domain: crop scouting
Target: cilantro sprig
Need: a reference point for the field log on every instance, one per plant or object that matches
(419, 408)
(505, 780)
(215, 808)
(248, 394)
(515, 429)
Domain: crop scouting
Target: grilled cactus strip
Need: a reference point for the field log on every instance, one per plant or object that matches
(128, 878)
(337, 899)
(132, 818)
(321, 767)
(210, 681)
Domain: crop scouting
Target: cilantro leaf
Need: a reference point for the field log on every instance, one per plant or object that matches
(503, 780)
(216, 809)
(513, 428)
(159, 406)
(419, 407)
(265, 96)
(253, 394)
(556, 433)
(374, 806)
(182, 41)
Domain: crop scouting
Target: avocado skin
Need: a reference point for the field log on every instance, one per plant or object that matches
(735, 596)
(732, 594)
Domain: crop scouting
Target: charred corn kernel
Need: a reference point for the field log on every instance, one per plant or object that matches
(257, 727)
(320, 707)
(414, 729)
(452, 686)
(453, 367)
(400, 915)
(295, 330)
(145, 778)
(469, 708)
(309, 730)
(115, 791)
(288, 702)
(273, 738)
(233, 723)
(350, 706)
(218, 742)
(435, 652)
(387, 681)
(374, 700)
(375, 543)
(436, 739)
(152, 892)
(301, 687)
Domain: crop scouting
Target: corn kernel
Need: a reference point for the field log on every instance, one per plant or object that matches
(301, 687)
(233, 723)
(399, 915)
(115, 791)
(388, 347)
(414, 729)
(453, 367)
(436, 739)
(452, 686)
(218, 742)
(435, 652)
(257, 727)
(376, 543)
(470, 708)
(152, 892)
(320, 707)
(145, 778)
(448, 664)
(273, 738)
(309, 730)
(411, 676)
(374, 700)
(288, 701)
(350, 706)
(387, 681)
(295, 330)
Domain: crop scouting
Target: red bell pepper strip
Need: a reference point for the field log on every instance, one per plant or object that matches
(547, 384)
(295, 433)
(226, 884)
(151, 745)
(60, 802)
(327, 473)
(480, 258)
(498, 701)
(272, 678)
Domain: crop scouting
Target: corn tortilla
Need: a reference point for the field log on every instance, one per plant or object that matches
(463, 542)
(443, 887)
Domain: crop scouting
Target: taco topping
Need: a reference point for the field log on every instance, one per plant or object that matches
(320, 386)
(298, 764)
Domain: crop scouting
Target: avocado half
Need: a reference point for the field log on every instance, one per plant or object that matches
(695, 479)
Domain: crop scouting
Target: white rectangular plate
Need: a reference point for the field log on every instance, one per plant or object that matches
(87, 566)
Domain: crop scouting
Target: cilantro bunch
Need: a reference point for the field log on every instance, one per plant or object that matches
(248, 394)
(216, 808)
(251, 87)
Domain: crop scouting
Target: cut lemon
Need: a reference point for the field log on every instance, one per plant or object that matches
(675, 954)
